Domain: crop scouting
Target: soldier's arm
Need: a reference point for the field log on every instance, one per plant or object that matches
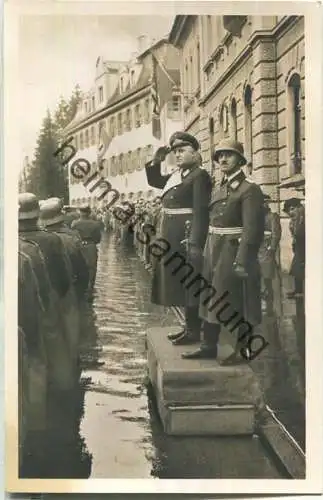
(154, 177)
(59, 272)
(253, 222)
(201, 198)
(80, 270)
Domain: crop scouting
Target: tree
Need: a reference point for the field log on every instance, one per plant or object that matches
(46, 176)
(65, 111)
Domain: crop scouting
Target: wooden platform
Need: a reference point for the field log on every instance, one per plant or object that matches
(200, 397)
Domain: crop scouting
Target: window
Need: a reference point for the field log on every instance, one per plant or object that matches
(113, 166)
(121, 165)
(122, 84)
(112, 126)
(101, 94)
(186, 82)
(198, 64)
(137, 116)
(147, 110)
(85, 107)
(104, 168)
(119, 123)
(138, 164)
(93, 103)
(248, 126)
(132, 77)
(191, 75)
(92, 136)
(128, 119)
(93, 167)
(224, 120)
(87, 142)
(130, 162)
(233, 120)
(174, 108)
(81, 141)
(294, 123)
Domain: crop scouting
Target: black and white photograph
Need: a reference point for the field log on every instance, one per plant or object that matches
(163, 275)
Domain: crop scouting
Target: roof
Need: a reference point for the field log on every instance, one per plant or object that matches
(152, 47)
(180, 22)
(143, 81)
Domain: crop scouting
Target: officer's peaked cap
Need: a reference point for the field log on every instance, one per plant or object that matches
(51, 211)
(179, 139)
(28, 206)
(230, 145)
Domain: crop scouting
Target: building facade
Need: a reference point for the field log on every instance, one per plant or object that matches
(121, 103)
(243, 77)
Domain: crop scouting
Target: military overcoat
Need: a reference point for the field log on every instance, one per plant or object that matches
(188, 190)
(234, 204)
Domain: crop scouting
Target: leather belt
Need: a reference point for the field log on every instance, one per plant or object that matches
(223, 231)
(177, 211)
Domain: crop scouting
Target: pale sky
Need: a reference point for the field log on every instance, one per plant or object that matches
(57, 52)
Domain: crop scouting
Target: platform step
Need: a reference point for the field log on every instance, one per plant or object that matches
(200, 397)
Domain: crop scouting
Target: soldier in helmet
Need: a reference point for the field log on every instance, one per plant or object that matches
(52, 218)
(184, 216)
(46, 253)
(90, 234)
(230, 258)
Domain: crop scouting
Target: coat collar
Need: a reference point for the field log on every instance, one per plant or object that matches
(236, 179)
(177, 177)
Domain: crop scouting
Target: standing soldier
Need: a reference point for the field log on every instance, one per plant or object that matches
(90, 233)
(267, 252)
(230, 258)
(48, 248)
(52, 218)
(296, 211)
(185, 197)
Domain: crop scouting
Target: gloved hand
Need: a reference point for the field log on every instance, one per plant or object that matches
(240, 271)
(195, 254)
(160, 154)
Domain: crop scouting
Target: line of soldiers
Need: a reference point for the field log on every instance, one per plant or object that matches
(227, 224)
(56, 275)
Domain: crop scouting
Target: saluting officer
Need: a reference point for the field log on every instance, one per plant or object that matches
(230, 258)
(185, 197)
(90, 233)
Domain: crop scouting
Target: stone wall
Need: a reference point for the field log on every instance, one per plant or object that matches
(266, 62)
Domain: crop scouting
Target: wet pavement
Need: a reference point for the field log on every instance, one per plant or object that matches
(117, 432)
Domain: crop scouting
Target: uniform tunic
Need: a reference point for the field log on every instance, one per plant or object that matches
(191, 191)
(267, 252)
(237, 203)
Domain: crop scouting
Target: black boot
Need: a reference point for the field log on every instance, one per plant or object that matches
(209, 347)
(191, 335)
(242, 353)
(174, 336)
